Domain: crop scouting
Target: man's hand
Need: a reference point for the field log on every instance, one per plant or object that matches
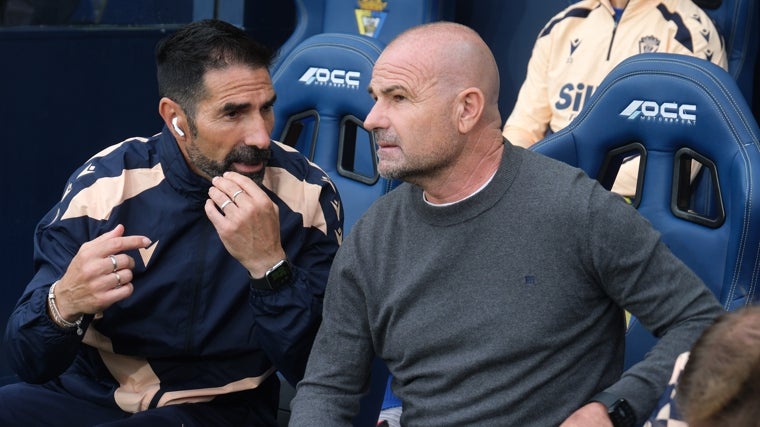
(593, 414)
(98, 275)
(247, 221)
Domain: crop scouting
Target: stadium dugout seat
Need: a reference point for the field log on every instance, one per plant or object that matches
(670, 109)
(739, 23)
(323, 101)
(344, 16)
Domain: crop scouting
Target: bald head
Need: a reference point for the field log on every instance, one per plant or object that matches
(452, 53)
(436, 117)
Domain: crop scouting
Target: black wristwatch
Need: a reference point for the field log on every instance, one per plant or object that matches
(618, 409)
(275, 277)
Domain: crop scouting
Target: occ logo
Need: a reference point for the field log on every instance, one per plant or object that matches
(337, 78)
(666, 111)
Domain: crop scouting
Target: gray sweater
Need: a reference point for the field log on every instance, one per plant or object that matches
(505, 309)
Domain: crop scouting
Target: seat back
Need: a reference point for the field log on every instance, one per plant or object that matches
(672, 109)
(321, 109)
(323, 100)
(378, 19)
(739, 23)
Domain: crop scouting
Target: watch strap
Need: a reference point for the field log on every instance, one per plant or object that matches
(260, 283)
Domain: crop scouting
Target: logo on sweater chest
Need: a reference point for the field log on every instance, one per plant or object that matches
(574, 43)
(649, 44)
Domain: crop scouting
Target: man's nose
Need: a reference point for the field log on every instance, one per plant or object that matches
(257, 133)
(374, 119)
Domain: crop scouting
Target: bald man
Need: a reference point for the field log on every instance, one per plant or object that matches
(493, 282)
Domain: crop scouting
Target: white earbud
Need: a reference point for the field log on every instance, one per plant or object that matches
(179, 131)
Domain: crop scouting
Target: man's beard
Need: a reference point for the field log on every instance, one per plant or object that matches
(408, 168)
(248, 155)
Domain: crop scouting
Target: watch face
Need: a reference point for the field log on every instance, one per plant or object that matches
(279, 275)
(621, 414)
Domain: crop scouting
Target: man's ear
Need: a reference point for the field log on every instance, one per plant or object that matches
(470, 104)
(173, 115)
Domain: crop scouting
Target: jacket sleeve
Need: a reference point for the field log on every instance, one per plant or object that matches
(38, 349)
(711, 48)
(289, 317)
(530, 117)
(707, 41)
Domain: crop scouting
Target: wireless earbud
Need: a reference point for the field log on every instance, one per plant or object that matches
(179, 131)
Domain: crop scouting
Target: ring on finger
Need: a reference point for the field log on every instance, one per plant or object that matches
(118, 279)
(235, 194)
(113, 262)
(224, 205)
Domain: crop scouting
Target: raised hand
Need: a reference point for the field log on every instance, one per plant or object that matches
(99, 275)
(247, 221)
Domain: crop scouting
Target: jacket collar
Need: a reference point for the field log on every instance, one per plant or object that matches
(177, 172)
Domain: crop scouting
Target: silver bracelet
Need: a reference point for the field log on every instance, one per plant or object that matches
(57, 318)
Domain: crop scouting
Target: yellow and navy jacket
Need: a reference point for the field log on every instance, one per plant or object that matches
(579, 46)
(194, 328)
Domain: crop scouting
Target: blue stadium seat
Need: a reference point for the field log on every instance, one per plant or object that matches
(672, 109)
(340, 16)
(739, 23)
(321, 108)
(323, 101)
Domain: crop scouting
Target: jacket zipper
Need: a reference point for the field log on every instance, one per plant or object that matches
(612, 40)
(200, 268)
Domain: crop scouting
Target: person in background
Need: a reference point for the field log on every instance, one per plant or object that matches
(579, 46)
(494, 281)
(178, 272)
(720, 385)
(717, 383)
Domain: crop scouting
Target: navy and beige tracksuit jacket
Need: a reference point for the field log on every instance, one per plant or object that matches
(194, 328)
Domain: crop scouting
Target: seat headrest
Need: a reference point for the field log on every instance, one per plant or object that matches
(660, 98)
(321, 106)
(329, 72)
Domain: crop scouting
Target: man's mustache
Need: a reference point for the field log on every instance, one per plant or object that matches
(249, 155)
